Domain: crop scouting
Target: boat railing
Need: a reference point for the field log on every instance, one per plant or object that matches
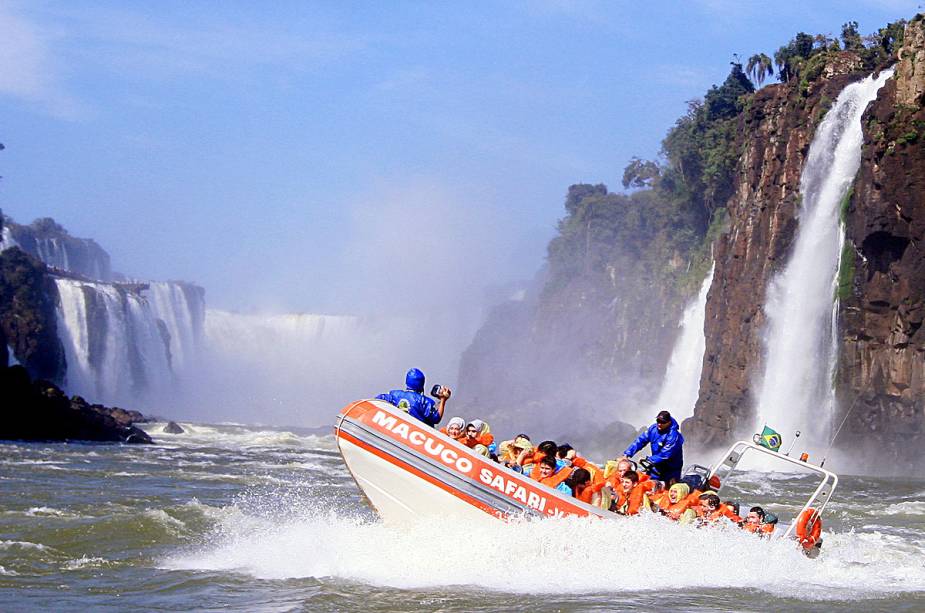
(819, 498)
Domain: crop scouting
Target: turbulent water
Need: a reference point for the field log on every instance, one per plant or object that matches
(796, 393)
(249, 519)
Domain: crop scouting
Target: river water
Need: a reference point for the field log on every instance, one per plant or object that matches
(243, 518)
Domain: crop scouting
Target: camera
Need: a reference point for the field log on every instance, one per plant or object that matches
(435, 391)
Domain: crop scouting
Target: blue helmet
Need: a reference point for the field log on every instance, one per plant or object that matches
(414, 380)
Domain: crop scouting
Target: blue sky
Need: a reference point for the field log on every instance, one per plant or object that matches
(330, 156)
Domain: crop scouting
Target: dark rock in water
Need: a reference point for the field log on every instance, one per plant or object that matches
(173, 427)
(40, 411)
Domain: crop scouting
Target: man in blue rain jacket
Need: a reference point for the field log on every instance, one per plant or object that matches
(667, 457)
(413, 400)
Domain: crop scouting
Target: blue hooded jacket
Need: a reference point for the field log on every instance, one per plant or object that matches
(413, 399)
(667, 453)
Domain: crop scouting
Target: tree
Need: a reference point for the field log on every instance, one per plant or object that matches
(791, 57)
(640, 173)
(850, 36)
(759, 67)
(724, 101)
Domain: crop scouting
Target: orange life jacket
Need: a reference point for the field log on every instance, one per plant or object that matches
(535, 460)
(761, 528)
(630, 503)
(587, 494)
(597, 475)
(555, 478)
(724, 510)
(482, 439)
(661, 500)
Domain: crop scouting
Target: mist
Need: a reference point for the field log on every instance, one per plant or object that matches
(417, 264)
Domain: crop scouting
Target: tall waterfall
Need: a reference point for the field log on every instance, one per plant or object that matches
(181, 306)
(681, 383)
(800, 353)
(6, 239)
(117, 343)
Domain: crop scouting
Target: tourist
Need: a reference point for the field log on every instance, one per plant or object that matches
(413, 400)
(550, 474)
(666, 442)
(758, 522)
(455, 428)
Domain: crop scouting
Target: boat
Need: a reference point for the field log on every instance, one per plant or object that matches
(408, 470)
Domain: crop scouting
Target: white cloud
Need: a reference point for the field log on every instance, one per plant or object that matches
(28, 71)
(145, 47)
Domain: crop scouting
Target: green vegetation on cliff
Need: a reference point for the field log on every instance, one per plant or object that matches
(662, 229)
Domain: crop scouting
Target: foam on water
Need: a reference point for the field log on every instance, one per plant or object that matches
(7, 545)
(233, 436)
(85, 562)
(585, 556)
(912, 507)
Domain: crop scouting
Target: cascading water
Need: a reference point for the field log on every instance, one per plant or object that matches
(796, 390)
(181, 307)
(681, 383)
(54, 253)
(6, 239)
(117, 349)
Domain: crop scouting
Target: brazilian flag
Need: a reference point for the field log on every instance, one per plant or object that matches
(770, 439)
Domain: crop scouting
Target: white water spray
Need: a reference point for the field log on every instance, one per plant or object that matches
(681, 383)
(6, 239)
(796, 392)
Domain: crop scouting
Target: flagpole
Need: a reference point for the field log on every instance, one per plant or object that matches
(792, 443)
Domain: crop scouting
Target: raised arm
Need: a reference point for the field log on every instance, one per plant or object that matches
(638, 444)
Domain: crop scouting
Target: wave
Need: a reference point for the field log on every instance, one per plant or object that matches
(912, 507)
(85, 562)
(584, 556)
(172, 524)
(49, 512)
(236, 437)
(11, 545)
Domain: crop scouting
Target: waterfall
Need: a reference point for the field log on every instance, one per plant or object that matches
(53, 252)
(681, 384)
(6, 239)
(118, 341)
(181, 307)
(800, 353)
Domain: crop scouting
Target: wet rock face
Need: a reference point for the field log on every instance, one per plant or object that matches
(27, 315)
(173, 427)
(39, 411)
(881, 373)
(47, 241)
(777, 130)
(910, 71)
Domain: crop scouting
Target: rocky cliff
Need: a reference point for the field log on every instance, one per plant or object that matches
(881, 372)
(28, 322)
(590, 339)
(47, 241)
(777, 129)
